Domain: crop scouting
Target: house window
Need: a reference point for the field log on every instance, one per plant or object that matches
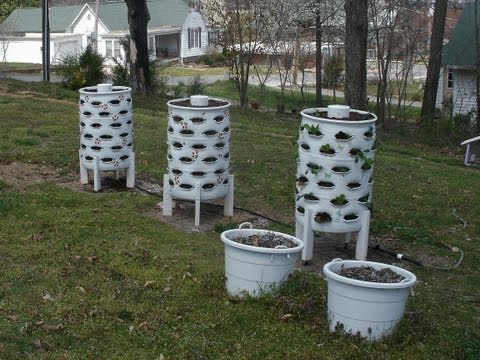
(112, 49)
(450, 79)
(194, 37)
(213, 37)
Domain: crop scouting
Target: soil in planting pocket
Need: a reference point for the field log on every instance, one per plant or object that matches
(268, 240)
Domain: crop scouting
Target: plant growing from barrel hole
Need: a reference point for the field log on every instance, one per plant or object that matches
(314, 168)
(313, 129)
(326, 149)
(340, 200)
(360, 155)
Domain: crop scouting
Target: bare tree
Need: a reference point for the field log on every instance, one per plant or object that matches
(242, 23)
(434, 62)
(356, 33)
(138, 18)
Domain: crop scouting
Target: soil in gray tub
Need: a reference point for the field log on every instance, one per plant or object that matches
(368, 273)
(269, 240)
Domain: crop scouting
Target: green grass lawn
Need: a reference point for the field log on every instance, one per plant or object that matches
(88, 275)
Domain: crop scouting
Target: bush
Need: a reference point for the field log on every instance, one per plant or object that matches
(81, 69)
(120, 73)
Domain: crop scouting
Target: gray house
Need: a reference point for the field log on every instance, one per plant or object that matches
(175, 31)
(458, 84)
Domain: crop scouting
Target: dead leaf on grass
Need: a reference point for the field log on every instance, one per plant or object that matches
(40, 344)
(37, 237)
(167, 289)
(53, 328)
(149, 282)
(81, 289)
(48, 297)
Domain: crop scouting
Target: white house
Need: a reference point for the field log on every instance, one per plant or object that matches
(174, 31)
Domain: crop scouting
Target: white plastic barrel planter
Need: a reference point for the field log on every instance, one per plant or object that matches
(334, 171)
(256, 270)
(198, 138)
(106, 136)
(368, 309)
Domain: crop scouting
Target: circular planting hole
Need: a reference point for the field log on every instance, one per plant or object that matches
(350, 217)
(96, 103)
(170, 130)
(96, 148)
(106, 160)
(343, 136)
(302, 180)
(116, 148)
(208, 186)
(185, 159)
(198, 173)
(210, 133)
(187, 132)
(310, 197)
(177, 145)
(199, 146)
(170, 182)
(219, 171)
(88, 158)
(197, 120)
(218, 118)
(177, 172)
(226, 156)
(116, 125)
(114, 102)
(186, 186)
(177, 119)
(364, 199)
(209, 160)
(104, 114)
(219, 145)
(305, 147)
(326, 184)
(322, 217)
(124, 157)
(301, 210)
(123, 135)
(96, 126)
(226, 130)
(106, 137)
(354, 186)
(340, 169)
(87, 113)
(88, 136)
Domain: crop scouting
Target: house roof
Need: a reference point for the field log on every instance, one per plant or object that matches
(460, 50)
(30, 19)
(112, 14)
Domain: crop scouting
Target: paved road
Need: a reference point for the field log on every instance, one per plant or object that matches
(273, 81)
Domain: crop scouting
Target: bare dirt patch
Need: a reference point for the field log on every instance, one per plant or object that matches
(20, 176)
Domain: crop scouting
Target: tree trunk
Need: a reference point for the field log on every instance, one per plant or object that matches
(477, 65)
(434, 62)
(138, 18)
(356, 32)
(318, 61)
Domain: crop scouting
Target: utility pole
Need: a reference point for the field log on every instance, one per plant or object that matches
(95, 39)
(45, 42)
